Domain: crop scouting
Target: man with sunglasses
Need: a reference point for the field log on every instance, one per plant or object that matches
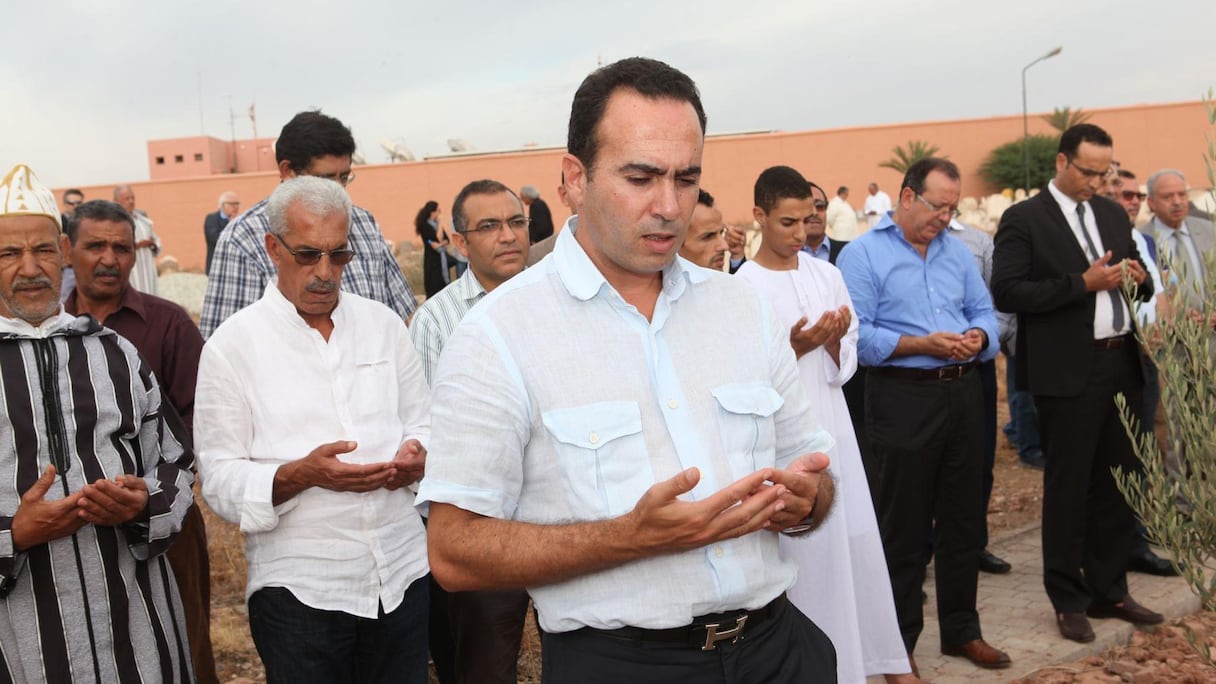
(311, 144)
(925, 324)
(818, 244)
(310, 419)
(1060, 262)
(490, 228)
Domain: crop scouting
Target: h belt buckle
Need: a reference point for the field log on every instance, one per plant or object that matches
(713, 636)
(948, 372)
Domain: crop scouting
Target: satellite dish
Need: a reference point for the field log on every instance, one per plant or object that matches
(357, 159)
(397, 151)
(460, 145)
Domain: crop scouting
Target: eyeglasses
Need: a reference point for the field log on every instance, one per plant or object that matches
(343, 179)
(946, 209)
(820, 205)
(1130, 195)
(70, 203)
(1088, 173)
(491, 226)
(310, 257)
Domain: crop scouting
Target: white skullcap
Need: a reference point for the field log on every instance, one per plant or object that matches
(21, 194)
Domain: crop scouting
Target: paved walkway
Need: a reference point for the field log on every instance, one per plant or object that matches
(1017, 617)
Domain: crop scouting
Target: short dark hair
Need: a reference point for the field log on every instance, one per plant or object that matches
(97, 210)
(843, 188)
(777, 183)
(1071, 140)
(310, 135)
(648, 77)
(813, 186)
(477, 187)
(73, 191)
(920, 170)
(705, 198)
(1124, 173)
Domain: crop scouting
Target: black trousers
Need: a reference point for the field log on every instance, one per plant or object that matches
(1087, 525)
(987, 371)
(786, 649)
(928, 437)
(487, 626)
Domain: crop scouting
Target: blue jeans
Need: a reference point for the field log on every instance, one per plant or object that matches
(299, 644)
(1021, 413)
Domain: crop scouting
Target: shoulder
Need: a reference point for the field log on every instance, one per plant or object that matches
(250, 226)
(363, 218)
(249, 322)
(164, 309)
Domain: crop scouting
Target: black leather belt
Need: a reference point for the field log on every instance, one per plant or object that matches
(1113, 342)
(705, 631)
(940, 373)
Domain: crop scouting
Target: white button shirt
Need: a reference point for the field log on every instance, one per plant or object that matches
(270, 390)
(555, 401)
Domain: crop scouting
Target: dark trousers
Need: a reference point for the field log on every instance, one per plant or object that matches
(441, 641)
(787, 648)
(928, 437)
(1021, 413)
(1147, 418)
(1087, 525)
(855, 398)
(192, 569)
(487, 627)
(300, 644)
(987, 371)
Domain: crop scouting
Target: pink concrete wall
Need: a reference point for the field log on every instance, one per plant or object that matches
(1147, 138)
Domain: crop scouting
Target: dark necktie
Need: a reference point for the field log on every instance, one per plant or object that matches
(1116, 302)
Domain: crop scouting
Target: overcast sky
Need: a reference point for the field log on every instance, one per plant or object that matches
(84, 84)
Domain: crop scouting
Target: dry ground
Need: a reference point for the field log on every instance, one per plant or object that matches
(1163, 656)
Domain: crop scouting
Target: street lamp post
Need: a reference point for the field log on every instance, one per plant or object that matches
(1025, 123)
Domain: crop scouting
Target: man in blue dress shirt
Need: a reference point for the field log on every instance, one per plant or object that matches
(925, 323)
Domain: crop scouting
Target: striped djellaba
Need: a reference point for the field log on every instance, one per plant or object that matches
(100, 605)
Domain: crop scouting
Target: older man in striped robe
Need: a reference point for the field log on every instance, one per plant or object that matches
(94, 482)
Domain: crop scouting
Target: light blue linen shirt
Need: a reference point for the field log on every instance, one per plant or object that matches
(555, 401)
(896, 292)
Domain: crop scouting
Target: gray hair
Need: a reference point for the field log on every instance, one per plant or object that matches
(529, 192)
(1152, 180)
(318, 196)
(118, 190)
(219, 203)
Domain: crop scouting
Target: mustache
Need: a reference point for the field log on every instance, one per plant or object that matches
(321, 286)
(102, 271)
(31, 283)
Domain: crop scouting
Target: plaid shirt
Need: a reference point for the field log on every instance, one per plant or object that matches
(241, 268)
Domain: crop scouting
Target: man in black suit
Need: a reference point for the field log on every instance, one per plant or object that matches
(1060, 261)
(214, 224)
(538, 211)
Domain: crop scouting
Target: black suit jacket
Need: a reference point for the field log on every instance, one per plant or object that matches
(213, 225)
(834, 247)
(1036, 273)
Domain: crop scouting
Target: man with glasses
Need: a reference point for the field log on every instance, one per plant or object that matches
(311, 144)
(818, 244)
(215, 222)
(310, 420)
(925, 323)
(1060, 262)
(490, 228)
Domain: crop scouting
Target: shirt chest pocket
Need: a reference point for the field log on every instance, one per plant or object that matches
(745, 425)
(374, 388)
(601, 457)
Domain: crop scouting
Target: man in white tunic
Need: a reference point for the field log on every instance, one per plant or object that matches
(842, 584)
(877, 205)
(147, 244)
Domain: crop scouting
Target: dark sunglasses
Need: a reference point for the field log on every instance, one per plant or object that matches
(310, 257)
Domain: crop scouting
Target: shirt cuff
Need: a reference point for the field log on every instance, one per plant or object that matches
(491, 504)
(11, 562)
(258, 512)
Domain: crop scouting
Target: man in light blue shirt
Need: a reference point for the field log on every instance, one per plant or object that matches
(925, 323)
(603, 440)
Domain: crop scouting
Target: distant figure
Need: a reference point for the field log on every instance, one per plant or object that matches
(1130, 197)
(705, 244)
(214, 224)
(818, 244)
(538, 211)
(71, 199)
(147, 245)
(877, 205)
(842, 217)
(434, 249)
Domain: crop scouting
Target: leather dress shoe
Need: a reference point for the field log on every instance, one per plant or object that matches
(980, 653)
(992, 564)
(1128, 610)
(1075, 627)
(1150, 563)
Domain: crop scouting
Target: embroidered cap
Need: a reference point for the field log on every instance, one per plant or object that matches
(21, 194)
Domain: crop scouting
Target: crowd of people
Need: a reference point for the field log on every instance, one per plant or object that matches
(690, 475)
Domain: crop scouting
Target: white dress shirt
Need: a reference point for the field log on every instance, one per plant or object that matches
(880, 204)
(555, 401)
(1103, 304)
(270, 390)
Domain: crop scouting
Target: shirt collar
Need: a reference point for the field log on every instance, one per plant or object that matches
(131, 299)
(1067, 204)
(584, 281)
(467, 286)
(824, 247)
(1181, 229)
(52, 325)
